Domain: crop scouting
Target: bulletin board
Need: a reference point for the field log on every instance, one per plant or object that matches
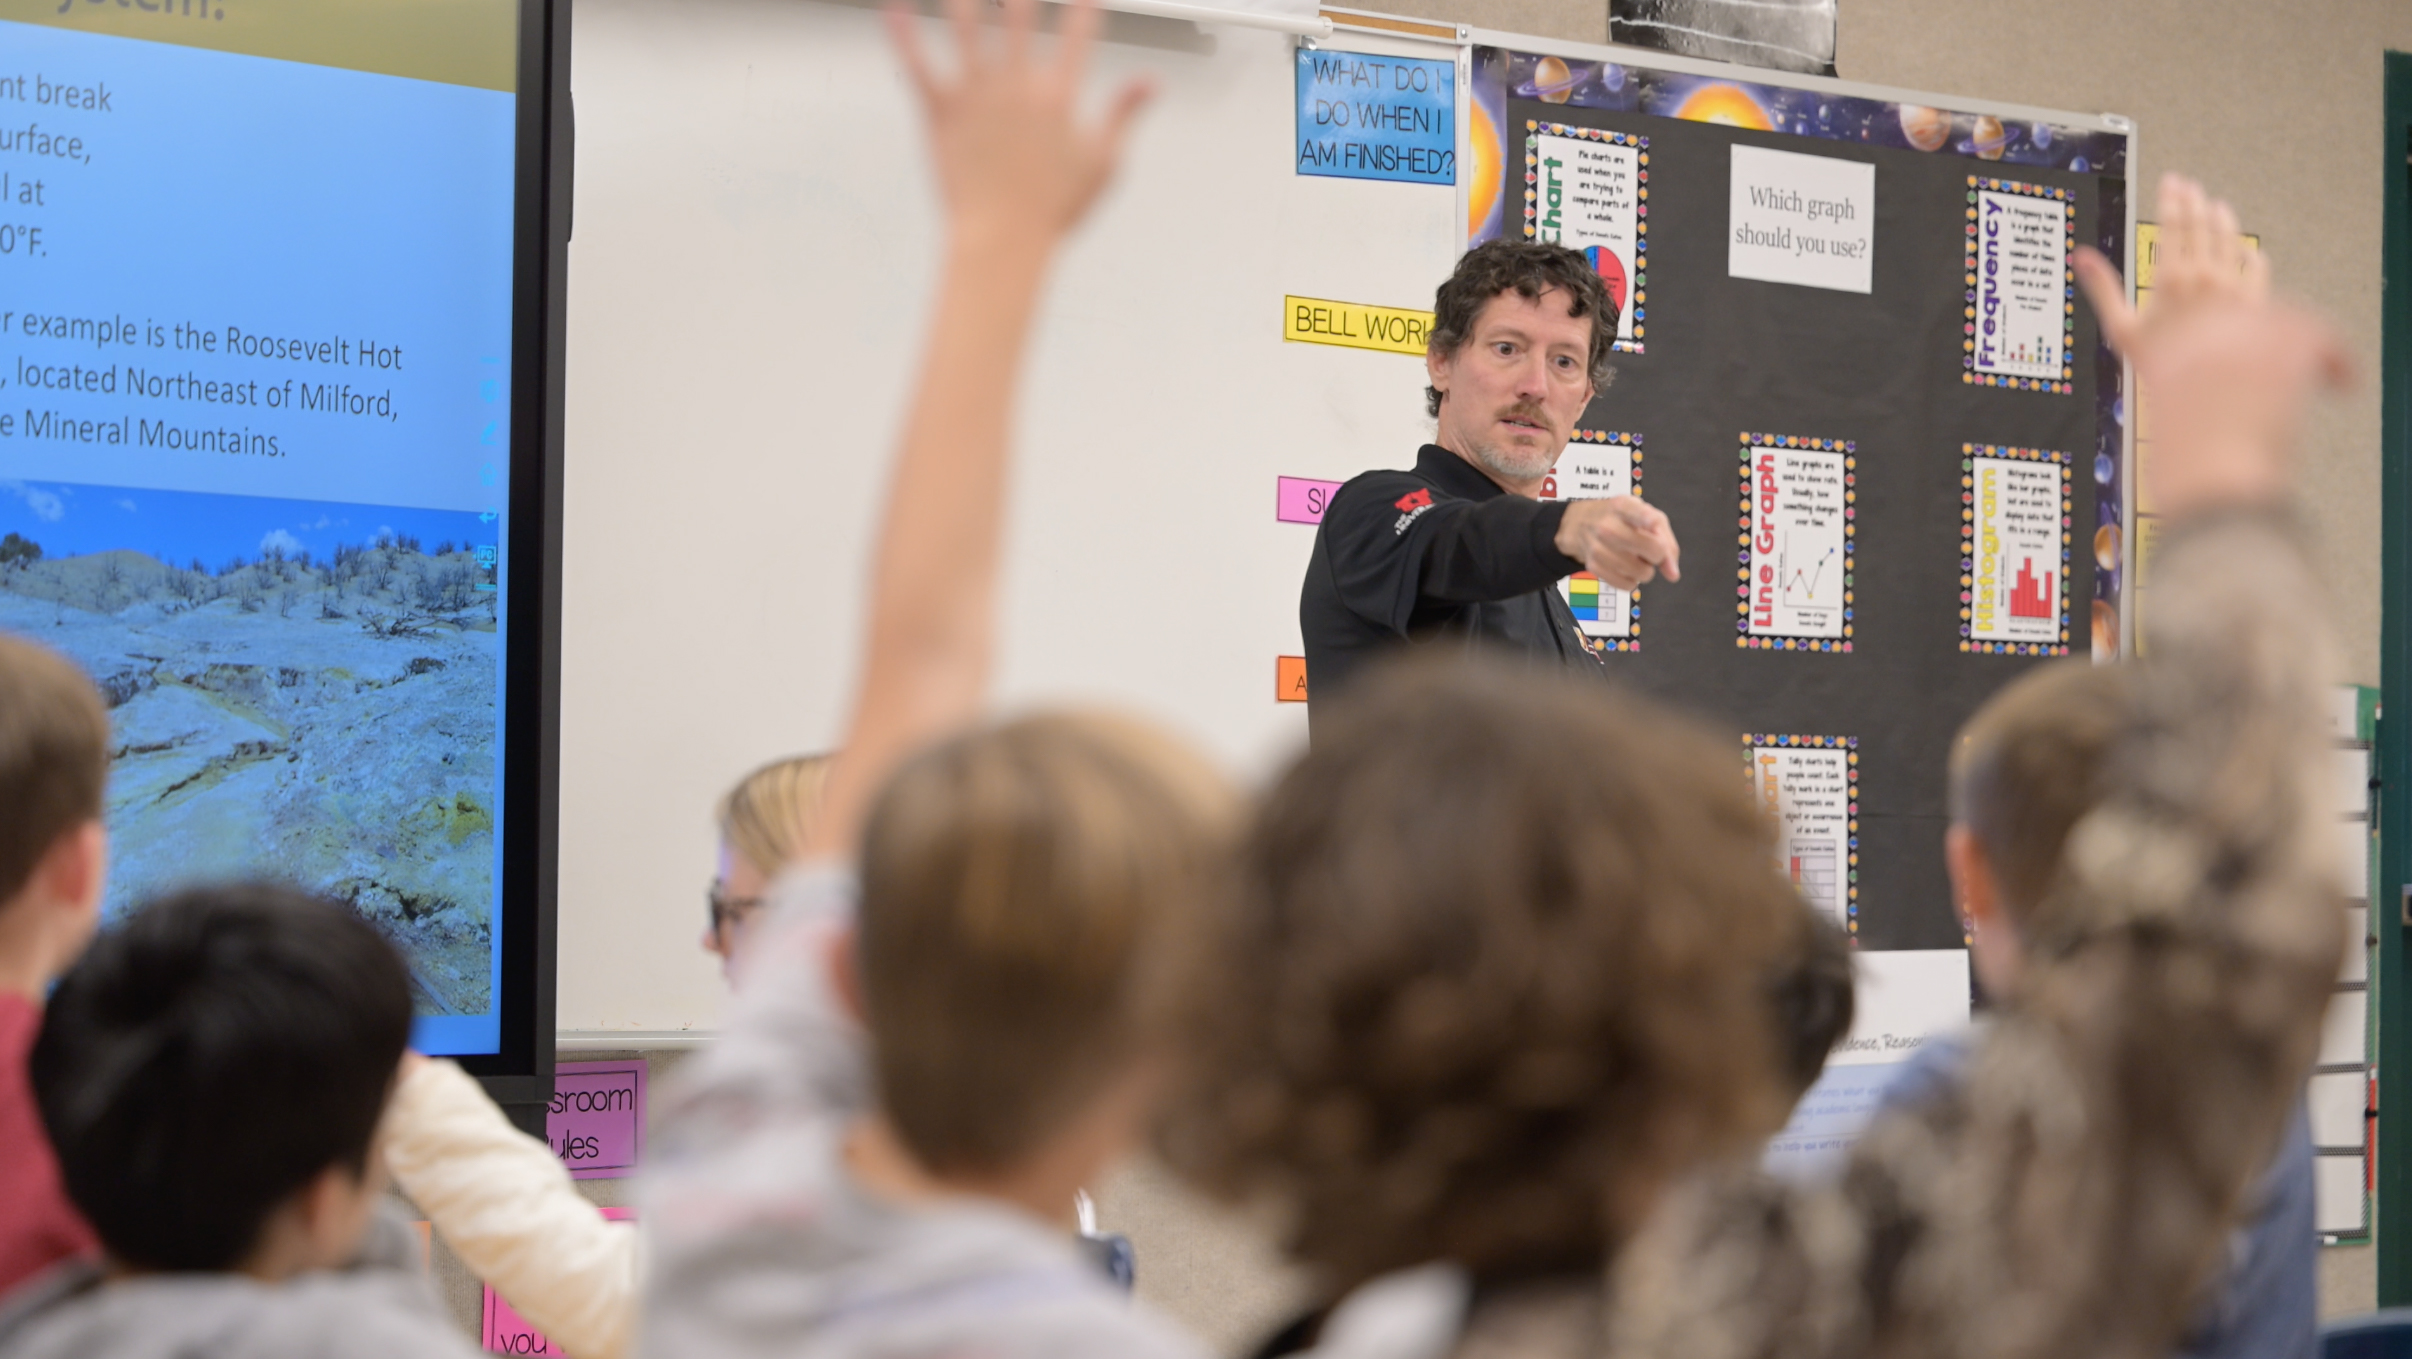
(1873, 406)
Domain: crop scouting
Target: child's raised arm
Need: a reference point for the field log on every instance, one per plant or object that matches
(1018, 167)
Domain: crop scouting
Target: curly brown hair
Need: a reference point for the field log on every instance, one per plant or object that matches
(1528, 269)
(1501, 961)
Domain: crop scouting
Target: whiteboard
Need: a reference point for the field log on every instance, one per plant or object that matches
(748, 276)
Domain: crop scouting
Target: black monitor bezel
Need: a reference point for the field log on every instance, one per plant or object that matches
(520, 1071)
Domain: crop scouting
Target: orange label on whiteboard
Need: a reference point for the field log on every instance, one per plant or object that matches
(1289, 679)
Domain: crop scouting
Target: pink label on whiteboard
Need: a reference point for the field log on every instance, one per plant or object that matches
(1302, 500)
(597, 1120)
(505, 1331)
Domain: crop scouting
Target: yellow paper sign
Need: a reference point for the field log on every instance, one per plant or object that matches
(1316, 320)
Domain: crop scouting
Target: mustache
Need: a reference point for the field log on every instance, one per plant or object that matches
(1526, 411)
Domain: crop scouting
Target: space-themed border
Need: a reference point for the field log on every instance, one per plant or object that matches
(1849, 745)
(1500, 74)
(2068, 290)
(1631, 641)
(1969, 453)
(1850, 452)
(1533, 128)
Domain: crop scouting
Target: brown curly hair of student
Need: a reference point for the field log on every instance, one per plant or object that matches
(1500, 963)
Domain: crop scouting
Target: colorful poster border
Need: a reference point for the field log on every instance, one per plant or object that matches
(1850, 452)
(1534, 128)
(1969, 453)
(2067, 385)
(1601, 646)
(1849, 745)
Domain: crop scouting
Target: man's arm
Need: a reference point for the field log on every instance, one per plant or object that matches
(2074, 1195)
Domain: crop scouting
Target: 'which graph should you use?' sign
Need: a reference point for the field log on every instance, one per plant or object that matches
(1808, 220)
(1367, 117)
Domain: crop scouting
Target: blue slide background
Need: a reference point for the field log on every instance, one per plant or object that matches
(278, 198)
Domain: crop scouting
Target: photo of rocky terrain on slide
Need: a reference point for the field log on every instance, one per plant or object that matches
(298, 690)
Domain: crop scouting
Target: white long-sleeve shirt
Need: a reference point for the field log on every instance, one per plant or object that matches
(509, 1209)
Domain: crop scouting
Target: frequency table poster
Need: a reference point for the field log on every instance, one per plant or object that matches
(1596, 466)
(1811, 786)
(1797, 542)
(2021, 315)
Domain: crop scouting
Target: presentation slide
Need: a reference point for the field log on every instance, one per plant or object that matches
(255, 331)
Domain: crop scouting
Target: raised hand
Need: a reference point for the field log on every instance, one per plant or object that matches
(1012, 153)
(2229, 368)
(1624, 540)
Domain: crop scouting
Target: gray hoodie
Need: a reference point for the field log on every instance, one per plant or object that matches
(761, 1243)
(379, 1307)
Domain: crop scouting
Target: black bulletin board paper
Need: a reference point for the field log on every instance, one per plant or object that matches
(1726, 356)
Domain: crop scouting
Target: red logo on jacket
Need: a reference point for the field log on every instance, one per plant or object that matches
(1415, 500)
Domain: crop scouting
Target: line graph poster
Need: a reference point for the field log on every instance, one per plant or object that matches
(1799, 502)
(1810, 785)
(1595, 466)
(1583, 189)
(2014, 550)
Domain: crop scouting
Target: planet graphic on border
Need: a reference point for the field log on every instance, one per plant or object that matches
(1725, 105)
(1924, 128)
(1987, 140)
(1612, 274)
(2106, 629)
(2106, 547)
(1553, 81)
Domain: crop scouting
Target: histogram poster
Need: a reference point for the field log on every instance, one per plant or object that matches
(2015, 550)
(1795, 590)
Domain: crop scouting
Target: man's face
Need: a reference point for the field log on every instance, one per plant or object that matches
(1512, 392)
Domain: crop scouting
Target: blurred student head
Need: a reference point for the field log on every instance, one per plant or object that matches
(2024, 770)
(212, 1073)
(54, 763)
(763, 822)
(1502, 958)
(1814, 999)
(1017, 884)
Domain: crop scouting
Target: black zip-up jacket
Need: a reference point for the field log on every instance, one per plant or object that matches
(1439, 554)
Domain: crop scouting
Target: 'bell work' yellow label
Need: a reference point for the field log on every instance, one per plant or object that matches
(1316, 320)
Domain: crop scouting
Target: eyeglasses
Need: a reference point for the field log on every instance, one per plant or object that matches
(728, 910)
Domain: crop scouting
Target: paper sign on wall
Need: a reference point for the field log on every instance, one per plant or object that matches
(2020, 319)
(1355, 325)
(502, 1330)
(1810, 784)
(1584, 188)
(1289, 679)
(1799, 512)
(596, 1123)
(1302, 500)
(1904, 999)
(2014, 550)
(1595, 466)
(1362, 116)
(1809, 220)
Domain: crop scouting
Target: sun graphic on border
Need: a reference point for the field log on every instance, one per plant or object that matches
(1728, 105)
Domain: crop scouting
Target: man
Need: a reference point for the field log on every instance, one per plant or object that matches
(1460, 549)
